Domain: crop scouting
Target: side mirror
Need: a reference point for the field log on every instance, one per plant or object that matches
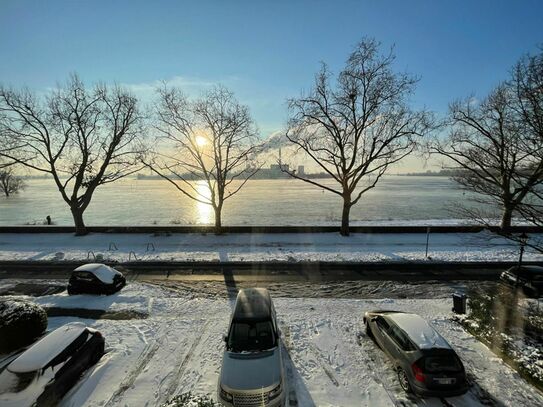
(225, 338)
(278, 335)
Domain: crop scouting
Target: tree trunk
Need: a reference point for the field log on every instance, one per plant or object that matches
(5, 186)
(80, 228)
(345, 216)
(218, 223)
(506, 218)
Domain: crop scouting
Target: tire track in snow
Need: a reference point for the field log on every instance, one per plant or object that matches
(182, 365)
(317, 353)
(287, 344)
(147, 354)
(369, 356)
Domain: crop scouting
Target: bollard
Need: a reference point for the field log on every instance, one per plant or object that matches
(459, 303)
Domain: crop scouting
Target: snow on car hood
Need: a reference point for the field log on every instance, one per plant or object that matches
(46, 349)
(251, 371)
(101, 271)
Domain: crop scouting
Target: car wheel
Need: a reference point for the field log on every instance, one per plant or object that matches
(404, 381)
(72, 291)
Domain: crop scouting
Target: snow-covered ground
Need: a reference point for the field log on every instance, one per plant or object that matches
(261, 247)
(330, 361)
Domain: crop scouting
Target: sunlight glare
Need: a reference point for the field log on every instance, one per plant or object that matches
(201, 141)
(204, 212)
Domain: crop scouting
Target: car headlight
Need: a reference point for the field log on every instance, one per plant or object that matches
(275, 392)
(225, 395)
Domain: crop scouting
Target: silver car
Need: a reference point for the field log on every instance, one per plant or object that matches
(252, 365)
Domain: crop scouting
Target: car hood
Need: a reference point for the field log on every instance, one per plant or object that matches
(250, 371)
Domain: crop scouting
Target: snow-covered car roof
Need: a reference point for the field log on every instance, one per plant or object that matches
(46, 349)
(420, 331)
(101, 271)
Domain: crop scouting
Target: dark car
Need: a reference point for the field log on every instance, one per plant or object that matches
(95, 278)
(529, 278)
(43, 374)
(424, 361)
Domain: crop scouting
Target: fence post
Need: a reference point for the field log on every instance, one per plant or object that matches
(427, 240)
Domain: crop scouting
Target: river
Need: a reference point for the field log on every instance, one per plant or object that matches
(395, 200)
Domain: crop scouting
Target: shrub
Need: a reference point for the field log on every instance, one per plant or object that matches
(21, 322)
(190, 400)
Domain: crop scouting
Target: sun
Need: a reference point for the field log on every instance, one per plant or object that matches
(201, 141)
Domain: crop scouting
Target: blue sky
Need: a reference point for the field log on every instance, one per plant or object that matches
(265, 51)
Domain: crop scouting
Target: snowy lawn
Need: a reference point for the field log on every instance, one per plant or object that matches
(261, 247)
(330, 361)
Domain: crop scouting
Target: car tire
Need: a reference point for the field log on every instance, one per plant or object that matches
(404, 381)
(72, 291)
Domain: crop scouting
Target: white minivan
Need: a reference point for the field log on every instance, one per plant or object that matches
(252, 366)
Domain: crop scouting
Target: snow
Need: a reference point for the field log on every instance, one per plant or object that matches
(130, 298)
(244, 247)
(328, 359)
(101, 271)
(47, 348)
(419, 330)
(10, 310)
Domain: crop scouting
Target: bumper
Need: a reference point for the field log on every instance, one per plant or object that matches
(277, 402)
(425, 392)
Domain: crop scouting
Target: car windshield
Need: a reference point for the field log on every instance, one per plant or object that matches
(251, 336)
(442, 363)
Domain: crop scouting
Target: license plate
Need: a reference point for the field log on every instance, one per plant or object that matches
(448, 380)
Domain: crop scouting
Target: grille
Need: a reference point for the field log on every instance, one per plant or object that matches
(250, 400)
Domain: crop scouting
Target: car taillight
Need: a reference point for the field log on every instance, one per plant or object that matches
(417, 371)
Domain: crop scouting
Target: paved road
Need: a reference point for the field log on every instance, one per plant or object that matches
(227, 285)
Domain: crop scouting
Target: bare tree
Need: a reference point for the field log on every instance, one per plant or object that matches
(355, 128)
(527, 83)
(497, 146)
(83, 139)
(9, 182)
(213, 139)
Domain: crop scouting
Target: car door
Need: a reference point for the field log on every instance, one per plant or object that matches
(397, 343)
(381, 333)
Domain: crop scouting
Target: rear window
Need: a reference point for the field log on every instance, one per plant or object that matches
(442, 363)
(251, 336)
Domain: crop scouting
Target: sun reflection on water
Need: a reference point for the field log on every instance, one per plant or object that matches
(204, 212)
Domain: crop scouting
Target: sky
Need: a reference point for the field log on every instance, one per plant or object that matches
(265, 51)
